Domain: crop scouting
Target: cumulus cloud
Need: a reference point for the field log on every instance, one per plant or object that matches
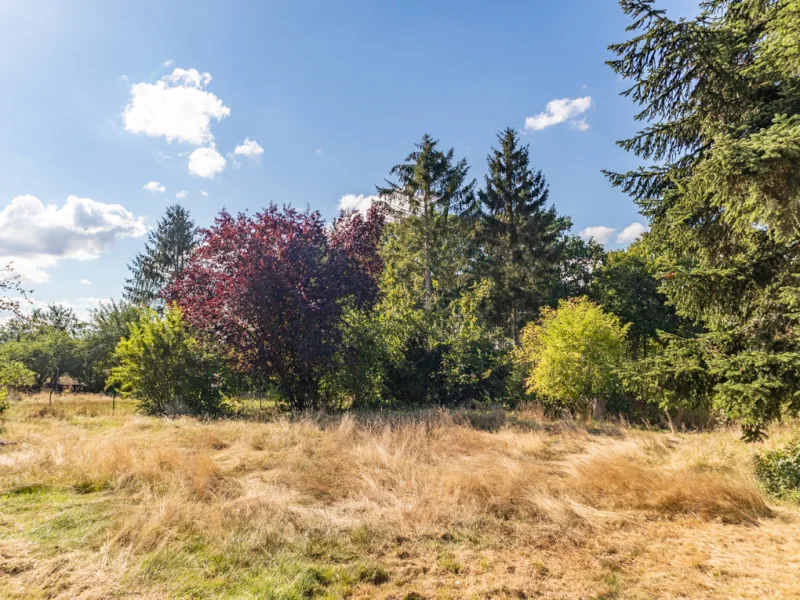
(600, 233)
(631, 233)
(206, 162)
(176, 107)
(358, 202)
(249, 148)
(319, 150)
(85, 282)
(204, 193)
(559, 111)
(154, 186)
(182, 194)
(35, 237)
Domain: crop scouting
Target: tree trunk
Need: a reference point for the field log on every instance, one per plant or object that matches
(514, 329)
(598, 409)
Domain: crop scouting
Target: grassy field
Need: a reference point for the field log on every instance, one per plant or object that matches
(430, 505)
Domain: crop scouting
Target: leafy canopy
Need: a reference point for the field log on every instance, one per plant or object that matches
(569, 355)
(164, 366)
(271, 289)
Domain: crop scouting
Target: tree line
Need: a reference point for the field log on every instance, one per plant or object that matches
(448, 291)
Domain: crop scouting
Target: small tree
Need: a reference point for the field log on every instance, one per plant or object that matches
(107, 325)
(271, 290)
(163, 365)
(14, 376)
(569, 355)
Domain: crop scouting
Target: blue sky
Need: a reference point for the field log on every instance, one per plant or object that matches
(101, 98)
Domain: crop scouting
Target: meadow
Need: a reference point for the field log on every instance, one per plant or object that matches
(422, 504)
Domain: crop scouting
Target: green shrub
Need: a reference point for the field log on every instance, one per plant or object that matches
(779, 471)
(14, 376)
(165, 367)
(570, 355)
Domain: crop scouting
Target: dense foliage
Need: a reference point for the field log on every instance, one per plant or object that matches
(570, 354)
(164, 366)
(779, 471)
(14, 376)
(272, 288)
(720, 94)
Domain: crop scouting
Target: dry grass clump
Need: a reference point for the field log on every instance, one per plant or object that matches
(444, 505)
(622, 482)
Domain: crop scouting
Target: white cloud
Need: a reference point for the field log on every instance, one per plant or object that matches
(249, 148)
(154, 186)
(167, 63)
(358, 202)
(206, 162)
(631, 233)
(558, 111)
(319, 150)
(182, 194)
(175, 107)
(204, 193)
(85, 282)
(189, 77)
(580, 125)
(600, 233)
(35, 237)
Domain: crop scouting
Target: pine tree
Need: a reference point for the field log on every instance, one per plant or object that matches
(429, 190)
(720, 94)
(165, 254)
(521, 237)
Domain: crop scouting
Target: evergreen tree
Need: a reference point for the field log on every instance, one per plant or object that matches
(721, 98)
(165, 254)
(429, 190)
(521, 237)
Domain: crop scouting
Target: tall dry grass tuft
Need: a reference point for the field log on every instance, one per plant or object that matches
(622, 482)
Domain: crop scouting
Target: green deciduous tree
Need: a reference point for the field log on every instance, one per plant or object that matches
(14, 376)
(163, 365)
(626, 285)
(106, 327)
(167, 249)
(720, 95)
(521, 237)
(46, 342)
(569, 356)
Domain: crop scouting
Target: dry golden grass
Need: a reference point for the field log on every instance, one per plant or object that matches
(437, 504)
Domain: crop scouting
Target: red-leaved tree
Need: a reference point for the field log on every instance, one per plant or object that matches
(269, 289)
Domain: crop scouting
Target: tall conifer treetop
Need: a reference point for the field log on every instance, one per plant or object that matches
(428, 188)
(522, 236)
(165, 254)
